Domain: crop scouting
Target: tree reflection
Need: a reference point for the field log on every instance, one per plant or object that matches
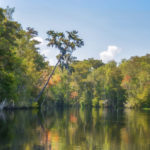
(70, 129)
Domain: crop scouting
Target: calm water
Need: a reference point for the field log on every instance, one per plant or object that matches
(74, 129)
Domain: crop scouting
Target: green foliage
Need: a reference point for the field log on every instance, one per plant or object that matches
(7, 85)
(115, 86)
(136, 81)
(21, 64)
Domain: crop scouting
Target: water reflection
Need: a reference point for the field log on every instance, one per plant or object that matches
(75, 129)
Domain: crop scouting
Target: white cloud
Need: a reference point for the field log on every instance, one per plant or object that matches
(50, 54)
(52, 61)
(109, 54)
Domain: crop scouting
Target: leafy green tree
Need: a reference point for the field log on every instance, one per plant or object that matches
(136, 72)
(21, 64)
(9, 31)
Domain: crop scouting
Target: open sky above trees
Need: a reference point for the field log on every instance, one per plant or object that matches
(111, 29)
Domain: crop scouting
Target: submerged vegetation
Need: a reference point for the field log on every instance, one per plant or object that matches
(24, 71)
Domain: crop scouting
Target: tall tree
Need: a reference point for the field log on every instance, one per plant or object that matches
(66, 43)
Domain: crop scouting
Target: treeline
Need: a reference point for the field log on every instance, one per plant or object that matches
(23, 72)
(92, 83)
(22, 68)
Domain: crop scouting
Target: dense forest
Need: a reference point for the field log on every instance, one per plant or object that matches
(24, 71)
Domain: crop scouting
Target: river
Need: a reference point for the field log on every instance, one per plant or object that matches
(75, 129)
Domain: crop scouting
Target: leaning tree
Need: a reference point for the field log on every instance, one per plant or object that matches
(66, 43)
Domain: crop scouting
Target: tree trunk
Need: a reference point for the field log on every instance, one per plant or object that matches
(41, 92)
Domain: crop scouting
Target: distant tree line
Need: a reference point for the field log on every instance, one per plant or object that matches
(93, 83)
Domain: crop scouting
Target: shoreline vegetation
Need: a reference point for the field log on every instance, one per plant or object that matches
(24, 71)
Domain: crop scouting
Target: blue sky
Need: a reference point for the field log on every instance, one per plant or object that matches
(111, 29)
